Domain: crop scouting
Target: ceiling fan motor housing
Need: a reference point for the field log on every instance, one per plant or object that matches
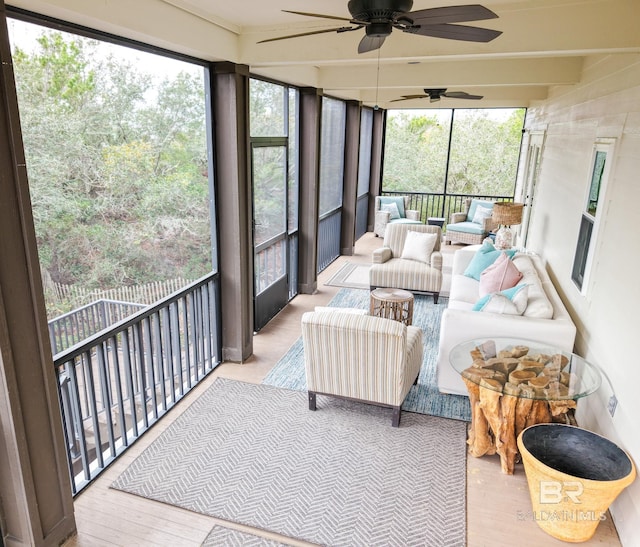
(378, 11)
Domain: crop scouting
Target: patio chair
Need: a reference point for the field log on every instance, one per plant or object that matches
(399, 266)
(472, 225)
(343, 357)
(393, 210)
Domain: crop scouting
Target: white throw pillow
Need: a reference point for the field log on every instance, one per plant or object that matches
(392, 208)
(419, 246)
(481, 214)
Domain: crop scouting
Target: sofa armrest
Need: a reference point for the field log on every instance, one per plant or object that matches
(458, 217)
(412, 214)
(381, 255)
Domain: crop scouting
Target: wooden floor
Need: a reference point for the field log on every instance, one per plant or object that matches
(497, 505)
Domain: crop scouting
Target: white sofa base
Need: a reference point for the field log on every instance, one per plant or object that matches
(460, 323)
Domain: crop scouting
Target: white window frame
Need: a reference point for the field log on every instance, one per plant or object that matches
(606, 145)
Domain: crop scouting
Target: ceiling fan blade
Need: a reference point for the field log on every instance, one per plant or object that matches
(337, 29)
(451, 14)
(455, 32)
(370, 43)
(408, 97)
(461, 95)
(323, 16)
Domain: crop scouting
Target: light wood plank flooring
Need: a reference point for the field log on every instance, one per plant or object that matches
(497, 505)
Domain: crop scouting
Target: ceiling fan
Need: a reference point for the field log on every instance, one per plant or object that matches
(436, 94)
(380, 17)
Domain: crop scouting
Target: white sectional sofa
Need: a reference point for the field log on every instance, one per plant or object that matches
(545, 319)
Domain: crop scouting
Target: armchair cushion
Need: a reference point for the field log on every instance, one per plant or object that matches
(397, 200)
(475, 205)
(392, 208)
(418, 246)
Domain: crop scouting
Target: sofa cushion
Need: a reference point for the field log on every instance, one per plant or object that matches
(502, 274)
(392, 208)
(512, 301)
(486, 255)
(398, 200)
(538, 304)
(419, 246)
(475, 204)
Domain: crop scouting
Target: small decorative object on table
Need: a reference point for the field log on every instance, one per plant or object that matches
(506, 214)
(514, 384)
(394, 304)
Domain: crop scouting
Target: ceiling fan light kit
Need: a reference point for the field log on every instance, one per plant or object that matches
(380, 17)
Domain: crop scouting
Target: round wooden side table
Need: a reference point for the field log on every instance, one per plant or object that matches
(394, 304)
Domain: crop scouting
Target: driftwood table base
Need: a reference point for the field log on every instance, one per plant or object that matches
(505, 397)
(498, 418)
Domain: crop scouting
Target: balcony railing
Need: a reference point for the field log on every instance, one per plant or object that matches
(73, 327)
(441, 205)
(119, 382)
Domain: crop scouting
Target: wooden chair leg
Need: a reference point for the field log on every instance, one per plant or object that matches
(395, 418)
(435, 297)
(312, 400)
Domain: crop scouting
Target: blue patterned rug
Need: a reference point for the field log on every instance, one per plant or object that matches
(424, 398)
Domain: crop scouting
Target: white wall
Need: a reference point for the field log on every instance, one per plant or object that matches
(605, 104)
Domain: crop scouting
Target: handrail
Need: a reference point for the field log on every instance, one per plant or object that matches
(119, 382)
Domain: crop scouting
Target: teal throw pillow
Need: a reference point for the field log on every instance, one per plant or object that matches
(486, 255)
(398, 200)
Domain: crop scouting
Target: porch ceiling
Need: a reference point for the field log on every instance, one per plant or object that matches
(544, 44)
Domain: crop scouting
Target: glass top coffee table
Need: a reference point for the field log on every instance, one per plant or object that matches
(514, 383)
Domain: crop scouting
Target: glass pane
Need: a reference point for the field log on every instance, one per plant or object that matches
(364, 159)
(269, 192)
(415, 154)
(294, 141)
(596, 180)
(485, 148)
(332, 154)
(582, 251)
(116, 149)
(267, 109)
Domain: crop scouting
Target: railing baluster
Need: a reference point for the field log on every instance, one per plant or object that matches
(102, 358)
(129, 373)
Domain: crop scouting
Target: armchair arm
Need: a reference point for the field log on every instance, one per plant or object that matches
(436, 260)
(412, 214)
(381, 255)
(458, 217)
(489, 225)
(381, 221)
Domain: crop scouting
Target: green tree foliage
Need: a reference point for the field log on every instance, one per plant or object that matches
(485, 147)
(117, 165)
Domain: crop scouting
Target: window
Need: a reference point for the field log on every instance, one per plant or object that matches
(590, 219)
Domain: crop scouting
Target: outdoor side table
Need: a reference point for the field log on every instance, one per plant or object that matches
(514, 383)
(396, 304)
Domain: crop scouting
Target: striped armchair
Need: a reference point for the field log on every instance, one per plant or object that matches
(390, 270)
(370, 359)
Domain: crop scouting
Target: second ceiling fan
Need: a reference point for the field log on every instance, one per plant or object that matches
(380, 17)
(436, 94)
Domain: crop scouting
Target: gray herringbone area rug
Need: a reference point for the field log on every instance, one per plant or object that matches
(255, 454)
